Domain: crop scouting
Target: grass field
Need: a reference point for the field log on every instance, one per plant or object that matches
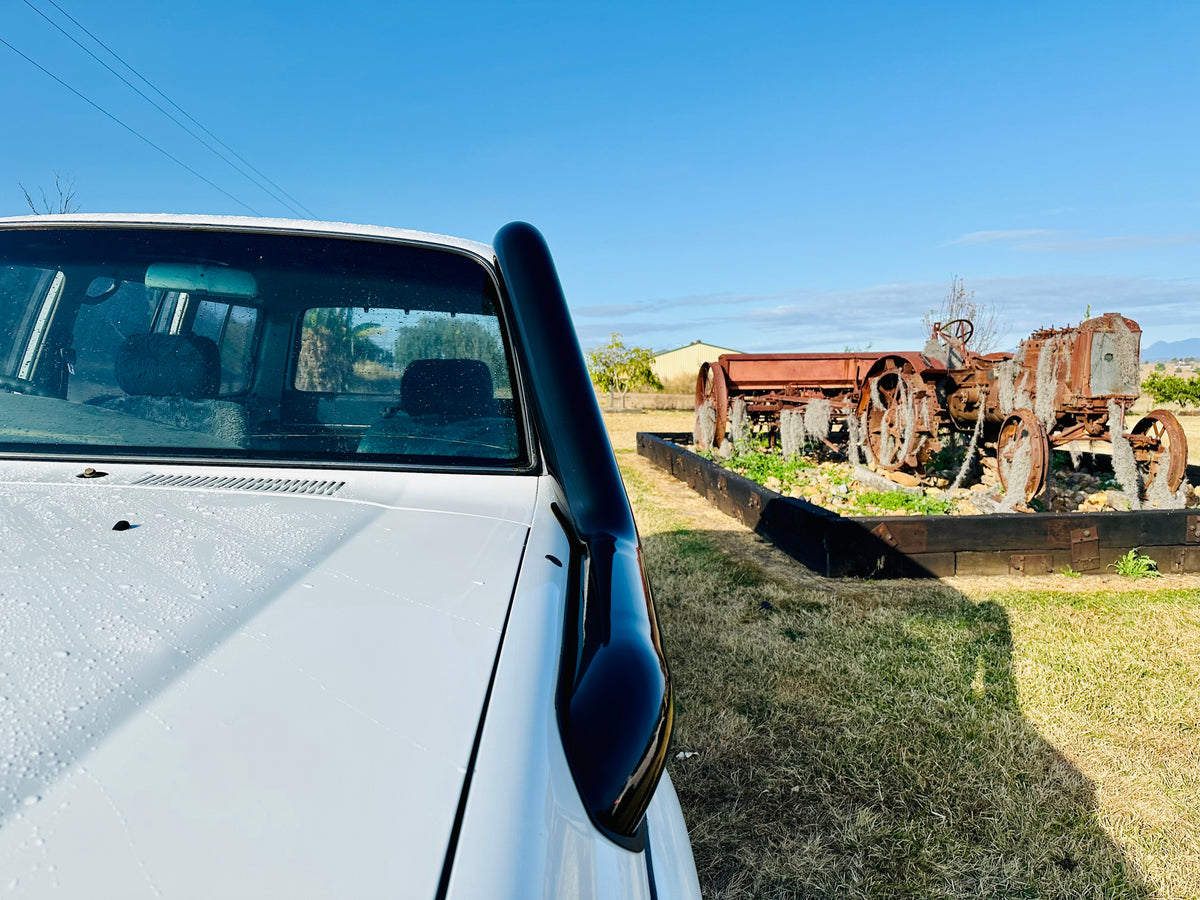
(986, 738)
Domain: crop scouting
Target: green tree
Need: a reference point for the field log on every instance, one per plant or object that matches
(619, 369)
(1172, 389)
(442, 336)
(332, 342)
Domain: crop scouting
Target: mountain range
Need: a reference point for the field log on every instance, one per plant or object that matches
(1164, 350)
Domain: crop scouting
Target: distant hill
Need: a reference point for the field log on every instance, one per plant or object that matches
(1163, 350)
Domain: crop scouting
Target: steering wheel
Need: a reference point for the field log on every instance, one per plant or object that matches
(958, 329)
(15, 385)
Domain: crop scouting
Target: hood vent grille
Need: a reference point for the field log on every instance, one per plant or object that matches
(235, 483)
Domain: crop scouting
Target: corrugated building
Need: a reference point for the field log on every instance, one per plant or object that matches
(686, 360)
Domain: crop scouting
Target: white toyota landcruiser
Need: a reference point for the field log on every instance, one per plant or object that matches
(318, 577)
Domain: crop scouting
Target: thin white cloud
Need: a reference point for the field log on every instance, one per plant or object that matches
(608, 312)
(1120, 242)
(1043, 240)
(889, 317)
(693, 301)
(995, 237)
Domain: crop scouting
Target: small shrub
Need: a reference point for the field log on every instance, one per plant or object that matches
(1135, 565)
(948, 458)
(1069, 572)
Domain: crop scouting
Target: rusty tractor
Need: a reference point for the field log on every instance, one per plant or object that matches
(1062, 385)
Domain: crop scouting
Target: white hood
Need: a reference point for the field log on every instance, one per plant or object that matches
(245, 694)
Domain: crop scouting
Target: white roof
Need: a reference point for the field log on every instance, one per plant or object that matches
(256, 223)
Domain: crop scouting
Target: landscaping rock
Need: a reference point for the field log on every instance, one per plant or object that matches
(841, 486)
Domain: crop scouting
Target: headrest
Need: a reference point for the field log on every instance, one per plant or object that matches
(454, 388)
(169, 365)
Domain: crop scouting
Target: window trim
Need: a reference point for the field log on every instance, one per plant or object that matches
(35, 343)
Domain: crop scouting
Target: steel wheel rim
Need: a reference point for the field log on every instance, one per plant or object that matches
(1162, 428)
(1023, 429)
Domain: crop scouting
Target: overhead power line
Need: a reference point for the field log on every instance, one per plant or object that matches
(151, 101)
(130, 129)
(290, 202)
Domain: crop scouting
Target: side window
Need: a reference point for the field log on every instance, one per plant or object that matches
(232, 329)
(438, 335)
(366, 350)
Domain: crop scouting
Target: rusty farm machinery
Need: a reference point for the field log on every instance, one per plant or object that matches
(1061, 386)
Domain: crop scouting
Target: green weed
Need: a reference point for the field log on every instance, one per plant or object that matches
(949, 457)
(760, 467)
(1135, 565)
(890, 501)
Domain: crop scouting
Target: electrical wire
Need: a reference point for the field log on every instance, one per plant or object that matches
(305, 210)
(151, 101)
(130, 129)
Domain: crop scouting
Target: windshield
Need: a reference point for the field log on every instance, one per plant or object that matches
(252, 346)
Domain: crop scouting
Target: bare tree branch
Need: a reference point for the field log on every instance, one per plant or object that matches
(66, 194)
(65, 188)
(960, 303)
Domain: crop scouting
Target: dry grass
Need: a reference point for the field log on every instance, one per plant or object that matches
(912, 739)
(680, 384)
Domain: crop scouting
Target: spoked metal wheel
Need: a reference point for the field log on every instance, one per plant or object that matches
(1023, 454)
(712, 388)
(1161, 440)
(891, 414)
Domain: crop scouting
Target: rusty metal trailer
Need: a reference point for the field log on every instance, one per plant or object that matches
(1062, 385)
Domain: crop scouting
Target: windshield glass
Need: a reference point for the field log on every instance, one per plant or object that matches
(252, 346)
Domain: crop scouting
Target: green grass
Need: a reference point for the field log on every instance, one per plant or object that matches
(910, 739)
(903, 739)
(868, 741)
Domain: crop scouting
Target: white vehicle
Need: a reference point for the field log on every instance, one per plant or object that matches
(318, 576)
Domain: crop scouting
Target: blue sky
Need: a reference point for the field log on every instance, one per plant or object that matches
(764, 176)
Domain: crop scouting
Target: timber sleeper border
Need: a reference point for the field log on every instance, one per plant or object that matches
(933, 546)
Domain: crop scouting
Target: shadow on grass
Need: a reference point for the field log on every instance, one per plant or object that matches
(857, 739)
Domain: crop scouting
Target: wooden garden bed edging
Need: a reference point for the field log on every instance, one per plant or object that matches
(933, 546)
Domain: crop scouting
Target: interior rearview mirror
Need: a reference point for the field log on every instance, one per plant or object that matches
(193, 278)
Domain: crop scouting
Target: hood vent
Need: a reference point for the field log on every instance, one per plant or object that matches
(234, 483)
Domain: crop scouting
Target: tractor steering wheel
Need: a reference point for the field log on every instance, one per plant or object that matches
(958, 329)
